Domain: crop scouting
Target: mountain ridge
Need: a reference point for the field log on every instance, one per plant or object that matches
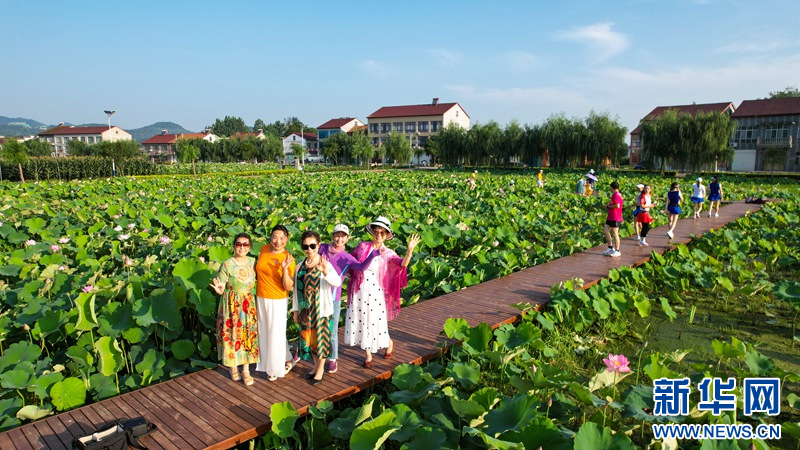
(13, 126)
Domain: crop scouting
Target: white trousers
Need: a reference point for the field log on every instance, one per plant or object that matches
(272, 342)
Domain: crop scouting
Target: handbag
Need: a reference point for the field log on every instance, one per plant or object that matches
(116, 435)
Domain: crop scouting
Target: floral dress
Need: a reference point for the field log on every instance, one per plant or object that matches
(237, 322)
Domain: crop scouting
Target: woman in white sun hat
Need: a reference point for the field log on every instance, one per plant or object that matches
(336, 253)
(373, 295)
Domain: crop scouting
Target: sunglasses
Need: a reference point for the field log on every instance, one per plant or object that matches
(242, 244)
(309, 246)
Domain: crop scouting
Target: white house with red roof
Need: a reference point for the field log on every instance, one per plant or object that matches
(340, 125)
(59, 136)
(161, 147)
(416, 122)
(258, 134)
(767, 134)
(692, 110)
(307, 140)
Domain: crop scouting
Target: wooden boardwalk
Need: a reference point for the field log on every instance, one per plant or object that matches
(207, 410)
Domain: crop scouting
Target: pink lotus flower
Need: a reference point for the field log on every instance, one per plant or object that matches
(131, 226)
(127, 261)
(164, 240)
(116, 216)
(300, 219)
(62, 268)
(230, 199)
(247, 208)
(123, 237)
(117, 228)
(88, 288)
(496, 243)
(209, 238)
(188, 203)
(30, 242)
(616, 363)
(55, 248)
(202, 259)
(63, 240)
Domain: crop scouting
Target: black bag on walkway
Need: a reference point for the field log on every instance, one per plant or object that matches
(116, 435)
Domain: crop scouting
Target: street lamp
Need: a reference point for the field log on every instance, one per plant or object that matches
(108, 115)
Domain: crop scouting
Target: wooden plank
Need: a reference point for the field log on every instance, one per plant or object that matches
(177, 422)
(191, 413)
(188, 393)
(129, 407)
(108, 410)
(18, 439)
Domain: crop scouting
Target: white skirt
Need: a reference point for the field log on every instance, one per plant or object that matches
(272, 342)
(366, 323)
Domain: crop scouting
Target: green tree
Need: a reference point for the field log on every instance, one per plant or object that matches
(124, 149)
(260, 125)
(78, 148)
(277, 129)
(228, 126)
(340, 145)
(603, 139)
(787, 92)
(451, 142)
(299, 153)
(38, 147)
(187, 153)
(331, 150)
(661, 138)
(270, 149)
(398, 148)
(511, 143)
(15, 153)
(361, 148)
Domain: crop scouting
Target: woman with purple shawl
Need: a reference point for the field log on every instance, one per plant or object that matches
(373, 295)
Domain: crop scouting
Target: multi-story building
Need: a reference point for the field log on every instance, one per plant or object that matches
(766, 135)
(692, 110)
(161, 147)
(340, 125)
(59, 136)
(416, 122)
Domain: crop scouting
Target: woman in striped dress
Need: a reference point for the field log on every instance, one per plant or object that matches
(312, 305)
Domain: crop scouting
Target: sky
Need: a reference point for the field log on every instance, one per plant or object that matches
(191, 62)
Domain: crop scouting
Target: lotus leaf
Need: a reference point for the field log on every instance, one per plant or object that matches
(110, 357)
(592, 437)
(33, 412)
(41, 386)
(466, 374)
(68, 394)
(19, 352)
(87, 318)
(759, 364)
(428, 438)
(544, 436)
(182, 349)
(283, 417)
(511, 414)
(492, 442)
(408, 420)
(16, 379)
(372, 434)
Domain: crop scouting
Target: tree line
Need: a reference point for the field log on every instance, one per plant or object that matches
(687, 142)
(596, 140)
(231, 125)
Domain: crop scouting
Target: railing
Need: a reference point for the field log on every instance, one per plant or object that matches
(775, 142)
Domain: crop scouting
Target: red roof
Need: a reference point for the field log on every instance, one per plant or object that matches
(306, 136)
(358, 129)
(335, 124)
(414, 110)
(769, 107)
(691, 110)
(239, 135)
(61, 130)
(171, 138)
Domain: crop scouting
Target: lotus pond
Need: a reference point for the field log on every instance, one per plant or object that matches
(104, 282)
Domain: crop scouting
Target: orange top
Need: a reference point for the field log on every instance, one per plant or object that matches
(269, 274)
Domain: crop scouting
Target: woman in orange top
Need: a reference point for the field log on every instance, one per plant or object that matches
(275, 278)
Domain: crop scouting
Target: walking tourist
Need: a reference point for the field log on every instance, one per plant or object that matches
(714, 196)
(336, 253)
(312, 305)
(674, 200)
(274, 274)
(540, 179)
(580, 189)
(613, 222)
(237, 321)
(637, 226)
(643, 218)
(373, 295)
(698, 196)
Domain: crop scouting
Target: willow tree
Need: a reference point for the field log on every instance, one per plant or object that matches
(360, 147)
(452, 145)
(661, 138)
(603, 139)
(188, 153)
(512, 142)
(533, 147)
(482, 140)
(563, 137)
(14, 152)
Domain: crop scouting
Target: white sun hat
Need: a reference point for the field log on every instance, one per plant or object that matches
(341, 227)
(382, 222)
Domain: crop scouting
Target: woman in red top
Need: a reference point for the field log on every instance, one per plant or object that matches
(645, 203)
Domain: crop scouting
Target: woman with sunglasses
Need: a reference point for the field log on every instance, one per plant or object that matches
(312, 305)
(275, 278)
(237, 321)
(374, 293)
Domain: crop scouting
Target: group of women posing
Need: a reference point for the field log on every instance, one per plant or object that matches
(253, 330)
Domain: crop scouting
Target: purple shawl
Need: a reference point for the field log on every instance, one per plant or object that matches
(391, 275)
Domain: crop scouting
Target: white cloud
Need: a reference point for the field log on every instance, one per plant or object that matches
(374, 68)
(518, 60)
(600, 38)
(445, 57)
(752, 47)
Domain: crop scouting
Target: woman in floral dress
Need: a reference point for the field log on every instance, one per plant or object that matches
(237, 322)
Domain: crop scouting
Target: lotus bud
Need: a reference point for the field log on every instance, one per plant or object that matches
(26, 327)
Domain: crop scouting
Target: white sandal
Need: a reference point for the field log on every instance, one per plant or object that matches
(291, 363)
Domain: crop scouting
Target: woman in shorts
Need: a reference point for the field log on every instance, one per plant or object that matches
(674, 200)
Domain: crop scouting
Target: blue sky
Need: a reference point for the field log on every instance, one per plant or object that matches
(192, 62)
